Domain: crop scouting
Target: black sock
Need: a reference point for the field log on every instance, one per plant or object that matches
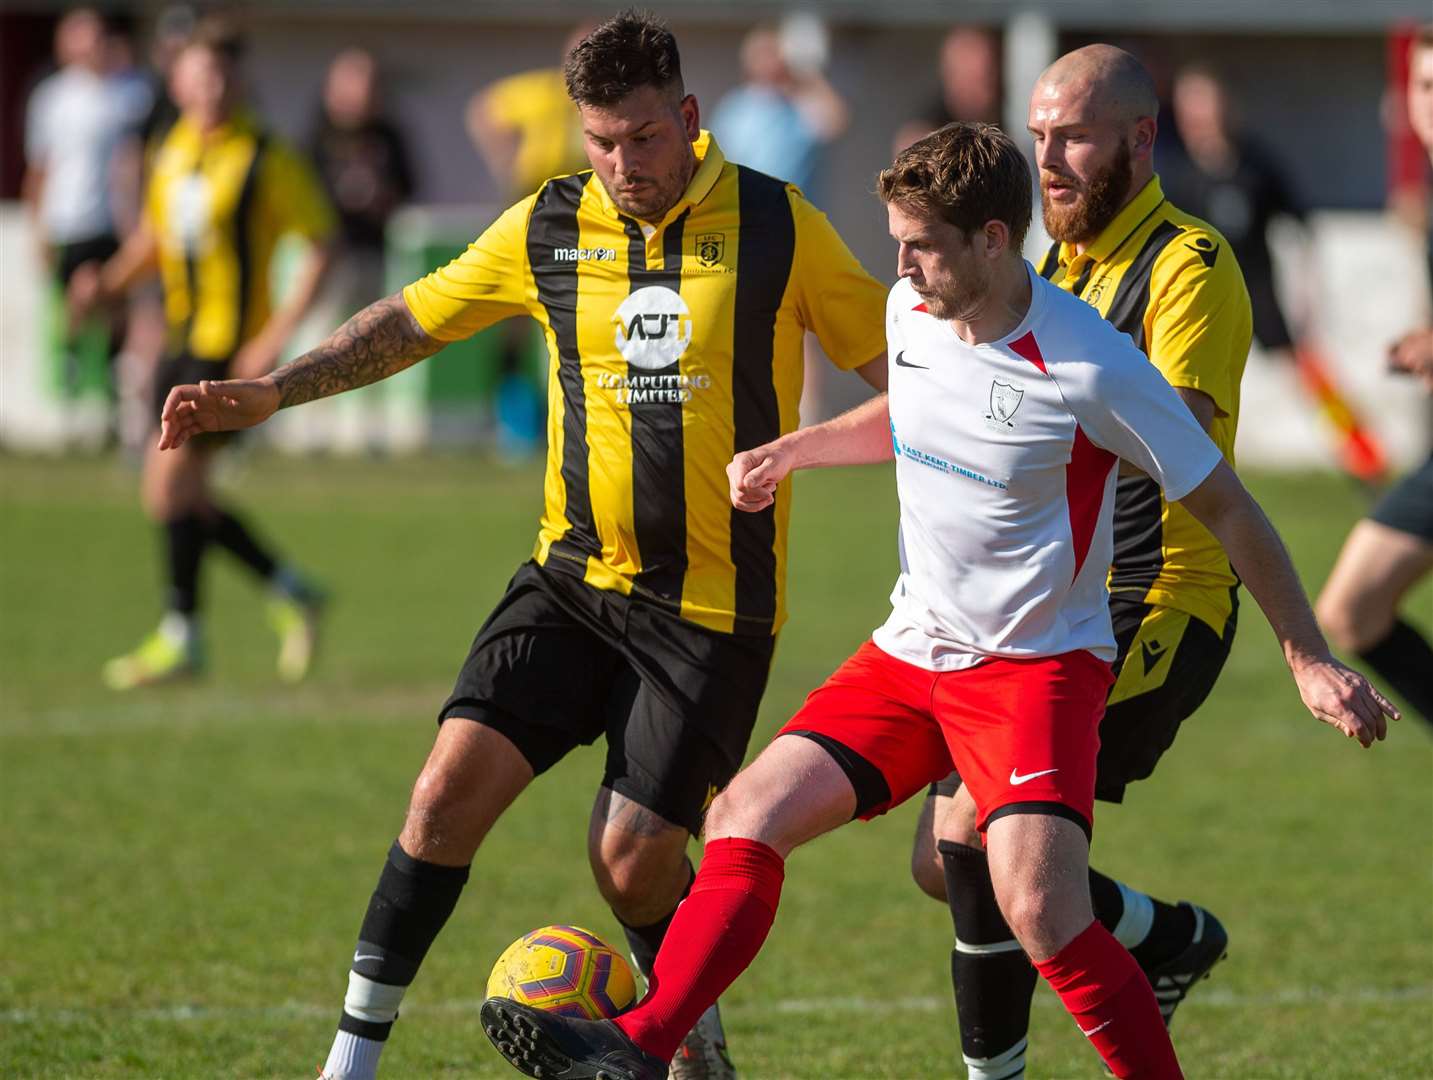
(230, 534)
(1405, 661)
(994, 980)
(410, 905)
(644, 941)
(1171, 927)
(184, 540)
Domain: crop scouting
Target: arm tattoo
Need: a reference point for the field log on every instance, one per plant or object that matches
(381, 340)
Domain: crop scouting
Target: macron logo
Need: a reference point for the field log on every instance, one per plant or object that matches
(1016, 779)
(581, 254)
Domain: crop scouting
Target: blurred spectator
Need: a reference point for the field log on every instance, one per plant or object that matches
(1391, 550)
(781, 118)
(364, 162)
(361, 158)
(527, 131)
(970, 85)
(779, 121)
(1232, 182)
(221, 194)
(76, 121)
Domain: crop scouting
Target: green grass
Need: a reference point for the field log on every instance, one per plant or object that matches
(183, 871)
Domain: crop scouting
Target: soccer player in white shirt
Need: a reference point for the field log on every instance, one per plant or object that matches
(1010, 405)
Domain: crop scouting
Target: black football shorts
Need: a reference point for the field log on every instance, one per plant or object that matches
(560, 664)
(1408, 505)
(1167, 664)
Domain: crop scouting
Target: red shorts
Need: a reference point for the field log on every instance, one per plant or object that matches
(1023, 734)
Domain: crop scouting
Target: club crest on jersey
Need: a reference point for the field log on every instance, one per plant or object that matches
(710, 248)
(1004, 401)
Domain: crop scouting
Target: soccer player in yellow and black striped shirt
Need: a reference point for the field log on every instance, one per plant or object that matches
(220, 194)
(1169, 281)
(674, 289)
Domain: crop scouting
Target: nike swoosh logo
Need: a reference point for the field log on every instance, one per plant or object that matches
(1017, 779)
(365, 956)
(1096, 1030)
(900, 362)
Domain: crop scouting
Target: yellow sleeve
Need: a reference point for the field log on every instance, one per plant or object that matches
(839, 302)
(484, 285)
(297, 201)
(1199, 322)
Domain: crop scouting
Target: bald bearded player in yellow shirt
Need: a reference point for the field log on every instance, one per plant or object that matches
(674, 289)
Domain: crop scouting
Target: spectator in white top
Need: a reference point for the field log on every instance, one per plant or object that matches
(76, 120)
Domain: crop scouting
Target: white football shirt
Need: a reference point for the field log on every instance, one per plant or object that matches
(1006, 459)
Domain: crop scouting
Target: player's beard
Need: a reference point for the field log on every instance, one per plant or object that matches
(962, 298)
(659, 195)
(1104, 195)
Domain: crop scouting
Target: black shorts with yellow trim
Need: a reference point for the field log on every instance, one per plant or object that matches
(560, 664)
(1167, 664)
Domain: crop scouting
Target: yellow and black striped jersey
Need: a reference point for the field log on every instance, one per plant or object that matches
(218, 203)
(671, 345)
(1170, 281)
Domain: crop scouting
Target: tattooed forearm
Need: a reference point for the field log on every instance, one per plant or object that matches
(381, 340)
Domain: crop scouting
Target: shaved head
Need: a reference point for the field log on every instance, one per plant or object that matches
(1109, 80)
(1093, 115)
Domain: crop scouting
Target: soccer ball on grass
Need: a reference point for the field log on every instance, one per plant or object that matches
(567, 970)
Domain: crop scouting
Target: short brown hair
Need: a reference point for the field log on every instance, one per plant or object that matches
(220, 36)
(965, 174)
(630, 50)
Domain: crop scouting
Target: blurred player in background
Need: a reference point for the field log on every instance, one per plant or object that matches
(780, 121)
(1170, 282)
(1010, 405)
(970, 85)
(674, 289)
(782, 116)
(77, 124)
(1391, 550)
(1232, 182)
(527, 130)
(222, 192)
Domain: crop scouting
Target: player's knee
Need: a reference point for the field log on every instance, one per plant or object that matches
(641, 883)
(1043, 920)
(1351, 624)
(435, 812)
(724, 816)
(927, 868)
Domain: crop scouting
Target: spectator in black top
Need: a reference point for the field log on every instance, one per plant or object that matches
(1233, 183)
(361, 157)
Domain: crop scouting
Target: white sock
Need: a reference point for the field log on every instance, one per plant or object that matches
(1136, 919)
(178, 628)
(352, 1058)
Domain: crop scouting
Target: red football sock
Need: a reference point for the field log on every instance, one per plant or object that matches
(1104, 990)
(717, 931)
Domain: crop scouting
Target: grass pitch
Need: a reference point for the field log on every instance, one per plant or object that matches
(184, 870)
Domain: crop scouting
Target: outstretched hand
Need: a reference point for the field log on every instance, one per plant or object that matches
(215, 406)
(1344, 699)
(754, 474)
